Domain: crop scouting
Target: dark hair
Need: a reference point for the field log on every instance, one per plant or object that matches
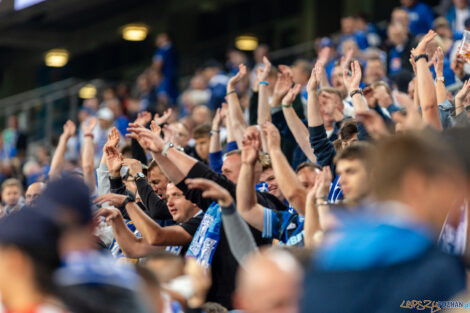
(212, 307)
(202, 131)
(126, 151)
(357, 151)
(308, 165)
(348, 130)
(424, 152)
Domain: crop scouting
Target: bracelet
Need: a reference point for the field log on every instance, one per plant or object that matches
(321, 202)
(441, 79)
(263, 82)
(421, 56)
(230, 92)
(167, 146)
(89, 135)
(286, 105)
(355, 92)
(213, 131)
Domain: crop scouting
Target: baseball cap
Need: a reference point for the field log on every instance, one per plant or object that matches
(105, 114)
(66, 195)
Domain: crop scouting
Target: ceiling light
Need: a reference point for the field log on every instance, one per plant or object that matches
(56, 57)
(246, 42)
(134, 32)
(87, 92)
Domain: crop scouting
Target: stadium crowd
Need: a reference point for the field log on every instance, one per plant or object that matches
(328, 185)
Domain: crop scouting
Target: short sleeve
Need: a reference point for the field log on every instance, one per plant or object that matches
(192, 225)
(271, 224)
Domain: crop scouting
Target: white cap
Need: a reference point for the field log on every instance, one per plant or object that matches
(105, 114)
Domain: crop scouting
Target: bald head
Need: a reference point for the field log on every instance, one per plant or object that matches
(270, 281)
(34, 190)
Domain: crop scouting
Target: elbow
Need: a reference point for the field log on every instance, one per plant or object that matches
(88, 168)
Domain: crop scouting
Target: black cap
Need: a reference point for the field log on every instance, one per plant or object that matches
(67, 194)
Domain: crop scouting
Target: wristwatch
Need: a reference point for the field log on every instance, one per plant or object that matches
(441, 79)
(139, 175)
(130, 198)
(167, 146)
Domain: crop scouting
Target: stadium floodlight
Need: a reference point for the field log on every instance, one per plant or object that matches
(56, 57)
(134, 32)
(246, 42)
(87, 92)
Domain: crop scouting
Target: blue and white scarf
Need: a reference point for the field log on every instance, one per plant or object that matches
(336, 194)
(207, 236)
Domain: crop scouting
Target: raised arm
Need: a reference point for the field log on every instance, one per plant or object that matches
(313, 105)
(102, 172)
(352, 83)
(322, 59)
(58, 157)
(88, 153)
(235, 113)
(247, 203)
(153, 233)
(291, 187)
(131, 245)
(264, 113)
(460, 97)
(215, 146)
(438, 62)
(425, 84)
(239, 236)
(317, 208)
(296, 126)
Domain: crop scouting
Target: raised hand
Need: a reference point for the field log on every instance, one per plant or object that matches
(346, 59)
(113, 138)
(291, 94)
(263, 73)
(352, 82)
(374, 124)
(324, 182)
(218, 118)
(272, 136)
(113, 199)
(150, 140)
(210, 190)
(251, 145)
(89, 125)
(314, 80)
(413, 120)
(438, 62)
(134, 166)
(282, 86)
(113, 160)
(160, 120)
(237, 78)
(69, 129)
(421, 48)
(412, 61)
(324, 55)
(109, 214)
(143, 118)
(201, 281)
(457, 66)
(462, 94)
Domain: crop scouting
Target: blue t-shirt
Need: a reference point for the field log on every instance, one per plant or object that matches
(286, 226)
(421, 18)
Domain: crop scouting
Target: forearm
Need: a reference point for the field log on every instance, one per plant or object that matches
(182, 161)
(290, 185)
(324, 83)
(88, 155)
(264, 113)
(235, 112)
(130, 244)
(168, 168)
(156, 207)
(313, 110)
(441, 91)
(246, 198)
(427, 99)
(215, 145)
(149, 229)
(58, 157)
(239, 236)
(359, 104)
(312, 222)
(299, 131)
